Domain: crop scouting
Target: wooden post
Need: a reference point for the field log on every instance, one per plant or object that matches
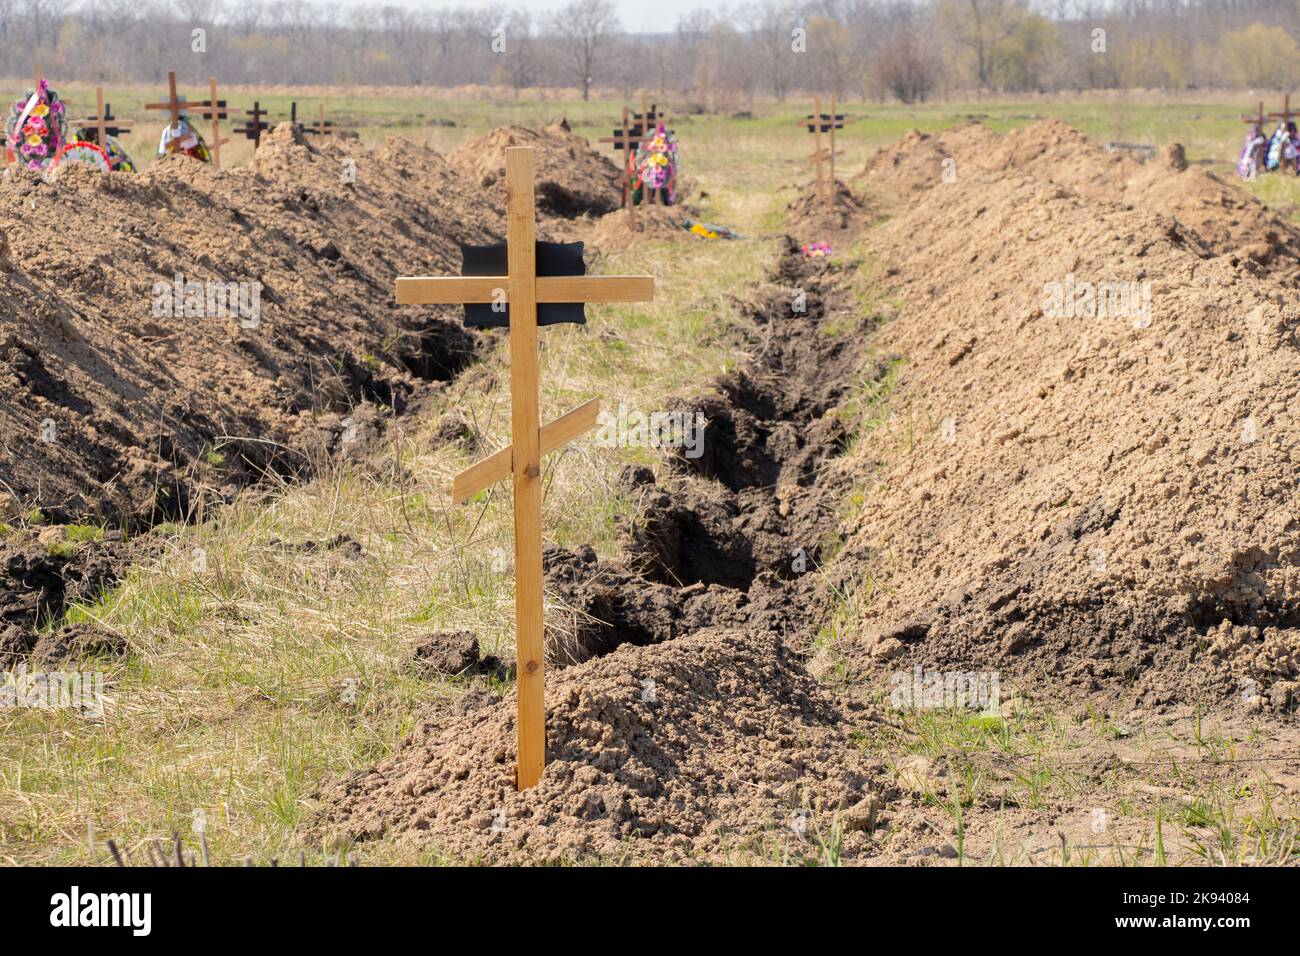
(217, 112)
(627, 142)
(522, 251)
(101, 121)
(830, 193)
(524, 289)
(816, 124)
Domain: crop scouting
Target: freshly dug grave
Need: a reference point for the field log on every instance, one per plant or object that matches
(693, 750)
(572, 179)
(133, 398)
(1105, 504)
(811, 218)
(682, 724)
(1224, 216)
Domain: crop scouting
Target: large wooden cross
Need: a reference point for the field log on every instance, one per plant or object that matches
(1259, 118)
(104, 122)
(523, 290)
(818, 123)
(627, 140)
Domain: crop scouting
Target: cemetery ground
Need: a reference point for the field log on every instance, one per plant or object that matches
(268, 657)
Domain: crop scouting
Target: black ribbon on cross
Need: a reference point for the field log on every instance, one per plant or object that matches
(827, 121)
(553, 259)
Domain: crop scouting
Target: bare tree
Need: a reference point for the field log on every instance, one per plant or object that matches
(584, 28)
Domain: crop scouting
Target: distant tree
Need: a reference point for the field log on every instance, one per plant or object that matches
(584, 29)
(1260, 56)
(905, 68)
(979, 26)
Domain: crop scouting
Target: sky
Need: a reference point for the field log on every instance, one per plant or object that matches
(636, 16)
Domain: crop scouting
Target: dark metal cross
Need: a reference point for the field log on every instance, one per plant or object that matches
(255, 125)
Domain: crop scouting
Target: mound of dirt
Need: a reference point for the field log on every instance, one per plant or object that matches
(615, 232)
(572, 178)
(40, 574)
(126, 400)
(1226, 218)
(810, 218)
(1096, 498)
(687, 751)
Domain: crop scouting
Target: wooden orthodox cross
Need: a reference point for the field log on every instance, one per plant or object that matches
(524, 290)
(818, 123)
(104, 122)
(627, 140)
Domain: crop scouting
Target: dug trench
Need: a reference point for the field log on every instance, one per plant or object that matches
(682, 719)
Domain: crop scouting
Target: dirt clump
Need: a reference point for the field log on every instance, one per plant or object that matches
(39, 579)
(811, 218)
(446, 654)
(708, 748)
(572, 179)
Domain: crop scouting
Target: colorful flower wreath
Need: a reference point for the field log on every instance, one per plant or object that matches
(656, 166)
(36, 129)
(118, 159)
(816, 250)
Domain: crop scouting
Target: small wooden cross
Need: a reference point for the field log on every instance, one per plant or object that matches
(1259, 118)
(817, 123)
(523, 289)
(323, 126)
(626, 140)
(103, 118)
(215, 110)
(255, 126)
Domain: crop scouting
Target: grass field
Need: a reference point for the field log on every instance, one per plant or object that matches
(252, 680)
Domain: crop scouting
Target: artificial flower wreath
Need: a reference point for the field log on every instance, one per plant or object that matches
(36, 129)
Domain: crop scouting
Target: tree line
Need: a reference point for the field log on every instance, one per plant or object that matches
(717, 57)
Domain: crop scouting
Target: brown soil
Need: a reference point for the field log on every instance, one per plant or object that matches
(1112, 505)
(152, 417)
(572, 178)
(39, 578)
(138, 399)
(1226, 218)
(810, 218)
(713, 612)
